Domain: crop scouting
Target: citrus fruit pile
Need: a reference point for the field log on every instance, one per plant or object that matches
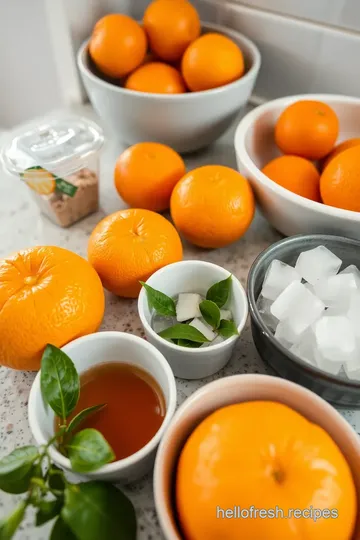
(312, 166)
(167, 53)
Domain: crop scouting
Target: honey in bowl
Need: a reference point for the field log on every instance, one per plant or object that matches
(135, 405)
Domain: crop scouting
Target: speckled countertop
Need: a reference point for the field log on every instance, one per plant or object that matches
(21, 227)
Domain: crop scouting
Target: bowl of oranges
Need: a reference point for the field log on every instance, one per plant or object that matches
(169, 78)
(302, 157)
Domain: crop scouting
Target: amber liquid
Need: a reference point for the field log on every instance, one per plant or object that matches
(135, 405)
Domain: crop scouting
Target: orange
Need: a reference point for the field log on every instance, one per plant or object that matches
(40, 180)
(118, 45)
(171, 25)
(146, 174)
(130, 246)
(211, 61)
(156, 78)
(339, 183)
(212, 206)
(295, 174)
(340, 148)
(308, 129)
(262, 455)
(47, 295)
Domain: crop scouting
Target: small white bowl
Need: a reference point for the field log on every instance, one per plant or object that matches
(94, 349)
(186, 122)
(196, 277)
(287, 212)
(238, 389)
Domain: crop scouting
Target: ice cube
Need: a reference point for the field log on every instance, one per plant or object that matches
(225, 314)
(336, 343)
(336, 290)
(285, 335)
(353, 374)
(309, 288)
(278, 276)
(317, 263)
(353, 313)
(305, 348)
(263, 305)
(216, 341)
(187, 306)
(160, 323)
(352, 269)
(204, 328)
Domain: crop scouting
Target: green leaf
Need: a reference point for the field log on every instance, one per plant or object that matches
(56, 478)
(210, 312)
(9, 525)
(47, 511)
(16, 469)
(61, 531)
(98, 510)
(60, 385)
(162, 304)
(227, 329)
(82, 415)
(219, 292)
(183, 331)
(189, 344)
(88, 451)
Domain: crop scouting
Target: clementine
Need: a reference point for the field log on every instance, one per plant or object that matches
(171, 25)
(340, 148)
(156, 78)
(47, 295)
(130, 246)
(118, 45)
(296, 174)
(212, 206)
(308, 129)
(262, 455)
(146, 174)
(339, 183)
(210, 61)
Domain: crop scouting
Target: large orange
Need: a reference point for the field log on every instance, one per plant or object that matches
(295, 174)
(340, 148)
(171, 25)
(156, 78)
(212, 206)
(47, 295)
(146, 174)
(257, 456)
(308, 129)
(211, 61)
(118, 45)
(340, 181)
(130, 246)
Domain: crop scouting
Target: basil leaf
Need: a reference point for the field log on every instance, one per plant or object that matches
(96, 510)
(61, 531)
(219, 292)
(210, 312)
(227, 329)
(183, 331)
(162, 304)
(88, 451)
(47, 511)
(56, 478)
(82, 415)
(189, 344)
(60, 385)
(16, 469)
(9, 525)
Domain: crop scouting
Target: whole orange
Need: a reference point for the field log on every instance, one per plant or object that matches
(171, 25)
(211, 61)
(47, 295)
(296, 174)
(263, 456)
(146, 174)
(339, 183)
(156, 78)
(118, 45)
(212, 206)
(130, 246)
(340, 148)
(308, 129)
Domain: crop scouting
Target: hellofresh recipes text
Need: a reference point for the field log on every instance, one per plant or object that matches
(238, 512)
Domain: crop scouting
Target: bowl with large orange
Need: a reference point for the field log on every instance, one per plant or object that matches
(291, 210)
(184, 120)
(255, 456)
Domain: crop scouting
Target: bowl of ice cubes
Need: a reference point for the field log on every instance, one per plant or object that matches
(304, 301)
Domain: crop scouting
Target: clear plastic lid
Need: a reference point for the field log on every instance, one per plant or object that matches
(58, 145)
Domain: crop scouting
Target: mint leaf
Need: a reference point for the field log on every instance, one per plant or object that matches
(82, 415)
(47, 511)
(219, 292)
(227, 329)
(16, 469)
(88, 451)
(189, 344)
(9, 525)
(183, 331)
(162, 304)
(210, 312)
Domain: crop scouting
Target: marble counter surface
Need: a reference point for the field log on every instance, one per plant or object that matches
(21, 227)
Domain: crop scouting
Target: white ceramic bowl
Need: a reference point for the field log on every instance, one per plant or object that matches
(186, 122)
(287, 212)
(86, 352)
(197, 277)
(237, 389)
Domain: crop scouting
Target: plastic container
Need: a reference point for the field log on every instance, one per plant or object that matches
(59, 161)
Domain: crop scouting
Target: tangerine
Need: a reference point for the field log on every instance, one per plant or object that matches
(339, 182)
(340, 148)
(156, 78)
